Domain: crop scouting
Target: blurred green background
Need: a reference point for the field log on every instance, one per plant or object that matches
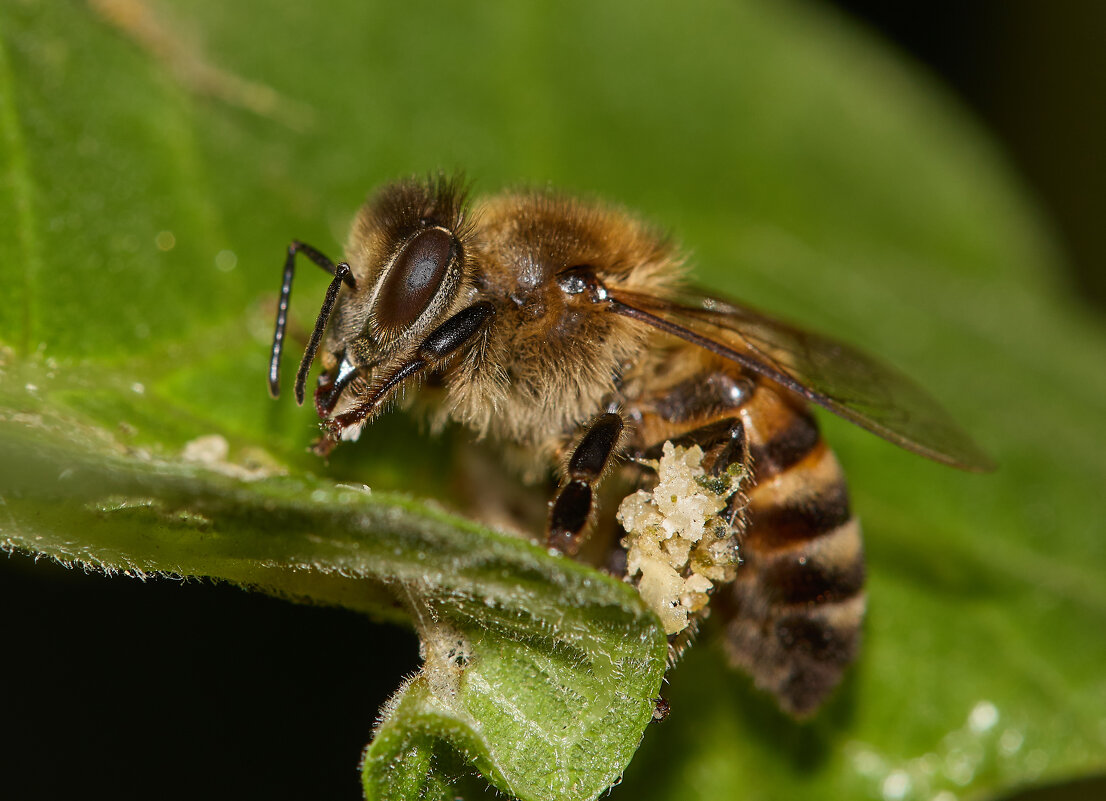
(809, 166)
(1032, 74)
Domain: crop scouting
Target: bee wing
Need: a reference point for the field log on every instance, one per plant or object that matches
(831, 374)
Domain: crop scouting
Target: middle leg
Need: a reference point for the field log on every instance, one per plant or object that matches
(571, 509)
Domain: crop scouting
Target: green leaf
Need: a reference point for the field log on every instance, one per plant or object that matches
(566, 743)
(531, 660)
(154, 161)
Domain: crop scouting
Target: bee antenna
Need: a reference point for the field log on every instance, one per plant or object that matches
(342, 273)
(281, 321)
(282, 314)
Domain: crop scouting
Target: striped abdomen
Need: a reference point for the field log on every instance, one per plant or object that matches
(799, 596)
(797, 604)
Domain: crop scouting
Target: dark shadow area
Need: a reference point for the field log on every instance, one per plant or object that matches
(1035, 74)
(122, 689)
(1089, 789)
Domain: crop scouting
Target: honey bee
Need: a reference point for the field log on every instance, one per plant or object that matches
(565, 330)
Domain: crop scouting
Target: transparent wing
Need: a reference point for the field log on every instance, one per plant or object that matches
(826, 372)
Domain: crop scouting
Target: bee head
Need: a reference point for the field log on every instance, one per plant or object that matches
(409, 258)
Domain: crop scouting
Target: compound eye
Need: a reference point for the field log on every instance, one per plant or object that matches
(414, 279)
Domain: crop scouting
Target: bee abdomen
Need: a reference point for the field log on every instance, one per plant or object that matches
(799, 594)
(828, 569)
(796, 606)
(807, 500)
(798, 655)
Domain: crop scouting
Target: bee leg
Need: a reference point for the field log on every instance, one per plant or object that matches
(571, 508)
(439, 345)
(340, 276)
(723, 442)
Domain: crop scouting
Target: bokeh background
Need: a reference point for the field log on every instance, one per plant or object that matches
(1032, 74)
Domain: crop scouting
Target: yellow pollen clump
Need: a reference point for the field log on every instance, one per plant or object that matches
(678, 546)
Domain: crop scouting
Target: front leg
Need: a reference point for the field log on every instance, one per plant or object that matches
(571, 508)
(443, 343)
